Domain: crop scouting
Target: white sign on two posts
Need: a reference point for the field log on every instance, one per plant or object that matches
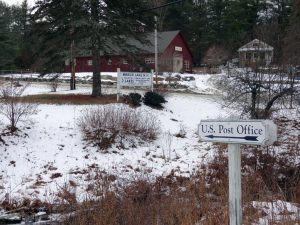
(254, 132)
(134, 79)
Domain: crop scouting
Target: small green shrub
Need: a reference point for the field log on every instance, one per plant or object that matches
(154, 99)
(133, 99)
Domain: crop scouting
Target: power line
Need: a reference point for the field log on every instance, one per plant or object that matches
(158, 7)
(165, 5)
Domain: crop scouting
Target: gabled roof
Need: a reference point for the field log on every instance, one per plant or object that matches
(164, 39)
(256, 45)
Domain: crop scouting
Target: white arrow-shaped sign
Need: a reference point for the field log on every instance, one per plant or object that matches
(258, 132)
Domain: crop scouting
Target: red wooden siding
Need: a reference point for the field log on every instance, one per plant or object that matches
(111, 63)
(178, 41)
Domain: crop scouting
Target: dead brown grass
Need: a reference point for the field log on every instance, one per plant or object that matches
(172, 200)
(76, 99)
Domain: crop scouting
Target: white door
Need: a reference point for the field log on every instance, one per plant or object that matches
(177, 63)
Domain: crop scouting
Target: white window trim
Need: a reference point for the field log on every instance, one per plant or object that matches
(90, 62)
(149, 60)
(187, 64)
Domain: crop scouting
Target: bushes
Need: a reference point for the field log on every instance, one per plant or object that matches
(168, 201)
(121, 125)
(154, 99)
(133, 99)
(12, 106)
(106, 125)
(150, 98)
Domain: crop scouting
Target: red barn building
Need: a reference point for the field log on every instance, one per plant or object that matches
(174, 55)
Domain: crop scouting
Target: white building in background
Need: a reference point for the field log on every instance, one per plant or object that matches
(255, 53)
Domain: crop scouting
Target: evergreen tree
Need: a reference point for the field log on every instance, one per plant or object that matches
(25, 42)
(7, 43)
(291, 49)
(228, 24)
(217, 12)
(53, 29)
(97, 26)
(200, 37)
(178, 16)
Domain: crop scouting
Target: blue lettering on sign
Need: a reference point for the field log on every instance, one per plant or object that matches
(140, 79)
(225, 130)
(124, 80)
(248, 129)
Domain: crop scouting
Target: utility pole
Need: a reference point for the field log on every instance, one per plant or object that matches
(72, 58)
(155, 51)
(73, 64)
(155, 36)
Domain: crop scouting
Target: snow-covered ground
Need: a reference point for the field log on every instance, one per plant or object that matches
(53, 143)
(49, 152)
(198, 83)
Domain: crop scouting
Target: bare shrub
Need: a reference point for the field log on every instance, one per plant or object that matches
(105, 125)
(99, 184)
(143, 203)
(53, 84)
(13, 107)
(182, 131)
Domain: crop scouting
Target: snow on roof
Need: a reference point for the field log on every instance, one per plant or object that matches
(256, 45)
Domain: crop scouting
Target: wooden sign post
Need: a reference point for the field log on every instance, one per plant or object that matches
(235, 133)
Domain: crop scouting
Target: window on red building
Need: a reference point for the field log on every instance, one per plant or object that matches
(149, 60)
(187, 65)
(90, 62)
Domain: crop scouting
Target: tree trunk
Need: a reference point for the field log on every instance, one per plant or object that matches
(96, 73)
(271, 102)
(253, 103)
(96, 50)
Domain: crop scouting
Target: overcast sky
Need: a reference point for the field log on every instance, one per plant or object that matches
(12, 2)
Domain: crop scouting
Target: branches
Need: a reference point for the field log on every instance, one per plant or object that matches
(13, 108)
(256, 92)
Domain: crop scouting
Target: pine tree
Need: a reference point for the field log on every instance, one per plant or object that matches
(95, 25)
(7, 43)
(200, 37)
(25, 42)
(291, 49)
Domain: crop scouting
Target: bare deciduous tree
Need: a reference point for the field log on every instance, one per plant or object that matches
(13, 107)
(256, 92)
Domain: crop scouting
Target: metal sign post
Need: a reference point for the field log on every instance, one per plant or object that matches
(235, 133)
